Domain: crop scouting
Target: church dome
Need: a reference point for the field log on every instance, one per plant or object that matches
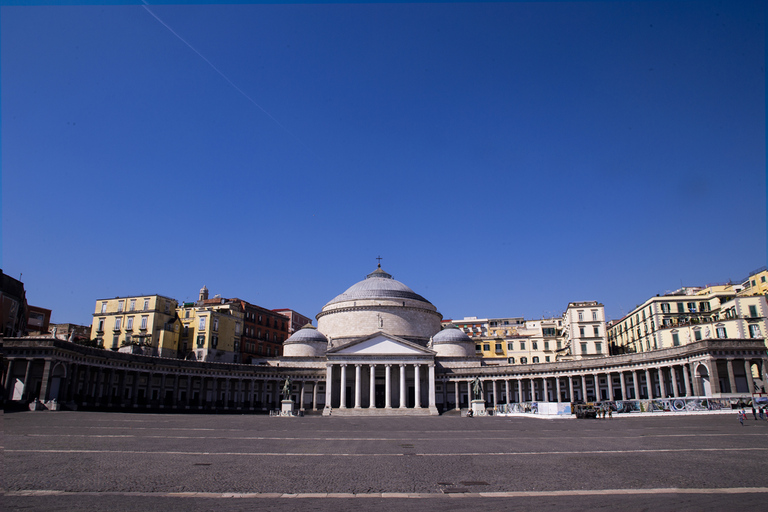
(378, 303)
(306, 342)
(453, 342)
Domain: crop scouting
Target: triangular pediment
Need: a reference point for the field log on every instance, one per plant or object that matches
(381, 344)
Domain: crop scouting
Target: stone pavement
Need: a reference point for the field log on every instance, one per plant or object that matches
(111, 461)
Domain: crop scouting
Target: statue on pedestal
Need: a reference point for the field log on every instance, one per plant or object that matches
(286, 389)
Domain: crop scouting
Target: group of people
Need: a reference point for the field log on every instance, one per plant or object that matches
(601, 412)
(743, 415)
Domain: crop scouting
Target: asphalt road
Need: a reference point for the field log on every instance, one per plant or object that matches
(107, 461)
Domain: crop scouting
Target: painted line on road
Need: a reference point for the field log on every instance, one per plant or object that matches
(397, 495)
(463, 454)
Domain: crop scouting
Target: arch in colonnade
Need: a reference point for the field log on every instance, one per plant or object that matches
(702, 377)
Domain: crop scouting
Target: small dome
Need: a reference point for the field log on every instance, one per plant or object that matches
(451, 334)
(307, 334)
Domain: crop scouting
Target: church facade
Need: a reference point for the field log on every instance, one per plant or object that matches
(378, 349)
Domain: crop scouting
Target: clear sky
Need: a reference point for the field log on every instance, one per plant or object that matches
(503, 159)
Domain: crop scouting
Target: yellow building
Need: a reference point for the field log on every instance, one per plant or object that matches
(756, 283)
(141, 324)
(518, 341)
(211, 329)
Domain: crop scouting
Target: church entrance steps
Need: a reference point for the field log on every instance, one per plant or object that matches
(424, 411)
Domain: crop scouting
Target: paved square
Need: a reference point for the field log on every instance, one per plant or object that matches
(103, 461)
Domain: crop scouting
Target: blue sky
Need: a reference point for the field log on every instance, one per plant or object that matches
(503, 159)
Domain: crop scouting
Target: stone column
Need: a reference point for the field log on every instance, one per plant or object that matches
(584, 387)
(506, 389)
(673, 376)
(176, 390)
(649, 383)
(609, 380)
(714, 376)
(731, 377)
(748, 375)
(358, 386)
(596, 380)
(457, 396)
(636, 384)
(135, 388)
(520, 395)
(544, 390)
(43, 397)
(623, 384)
(416, 387)
(328, 386)
(687, 381)
(343, 390)
(9, 380)
(303, 390)
(495, 390)
(571, 397)
(189, 389)
(431, 389)
(402, 386)
(388, 386)
(533, 389)
(372, 385)
(662, 381)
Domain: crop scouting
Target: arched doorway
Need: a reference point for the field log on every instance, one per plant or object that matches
(702, 376)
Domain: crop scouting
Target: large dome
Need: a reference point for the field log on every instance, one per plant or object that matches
(377, 285)
(378, 303)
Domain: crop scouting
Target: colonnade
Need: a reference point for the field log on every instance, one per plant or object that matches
(394, 385)
(661, 381)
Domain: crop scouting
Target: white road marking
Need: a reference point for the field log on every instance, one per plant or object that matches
(399, 495)
(463, 454)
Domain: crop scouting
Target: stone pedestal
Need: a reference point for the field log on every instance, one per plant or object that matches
(287, 407)
(478, 407)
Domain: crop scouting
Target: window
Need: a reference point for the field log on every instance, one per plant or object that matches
(129, 325)
(146, 304)
(754, 331)
(680, 307)
(215, 323)
(144, 322)
(721, 332)
(101, 325)
(583, 348)
(510, 346)
(118, 323)
(596, 330)
(599, 348)
(103, 307)
(186, 314)
(754, 283)
(692, 307)
(535, 345)
(200, 340)
(697, 334)
(753, 311)
(214, 341)
(675, 340)
(581, 315)
(665, 308)
(559, 344)
(132, 306)
(523, 360)
(498, 348)
(762, 279)
(535, 359)
(522, 345)
(201, 327)
(486, 347)
(167, 307)
(511, 360)
(115, 340)
(581, 332)
(478, 348)
(546, 345)
(238, 327)
(186, 330)
(594, 315)
(120, 305)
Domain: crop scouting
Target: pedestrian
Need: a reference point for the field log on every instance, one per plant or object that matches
(761, 414)
(754, 413)
(610, 413)
(741, 418)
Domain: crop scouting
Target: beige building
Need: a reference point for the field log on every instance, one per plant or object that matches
(756, 283)
(142, 323)
(689, 314)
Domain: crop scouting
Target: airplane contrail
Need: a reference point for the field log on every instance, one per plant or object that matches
(225, 77)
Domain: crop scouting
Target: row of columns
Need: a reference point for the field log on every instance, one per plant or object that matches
(689, 385)
(388, 384)
(101, 385)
